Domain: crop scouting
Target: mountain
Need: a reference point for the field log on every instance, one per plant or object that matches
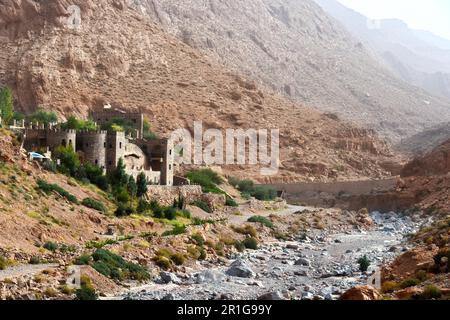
(296, 49)
(118, 56)
(436, 162)
(418, 57)
(424, 142)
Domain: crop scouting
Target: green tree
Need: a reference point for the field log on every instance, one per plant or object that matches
(132, 187)
(44, 117)
(70, 161)
(6, 105)
(77, 124)
(119, 177)
(142, 187)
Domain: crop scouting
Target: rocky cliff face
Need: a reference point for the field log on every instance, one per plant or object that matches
(116, 55)
(296, 49)
(434, 163)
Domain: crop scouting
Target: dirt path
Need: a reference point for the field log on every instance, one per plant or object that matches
(25, 270)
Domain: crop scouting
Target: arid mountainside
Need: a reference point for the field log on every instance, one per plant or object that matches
(296, 49)
(418, 57)
(424, 142)
(118, 56)
(436, 162)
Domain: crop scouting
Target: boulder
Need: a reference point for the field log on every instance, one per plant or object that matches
(168, 277)
(241, 269)
(361, 293)
(303, 262)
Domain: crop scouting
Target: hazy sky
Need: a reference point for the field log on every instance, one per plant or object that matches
(431, 15)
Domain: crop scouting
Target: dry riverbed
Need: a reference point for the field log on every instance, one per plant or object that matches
(317, 265)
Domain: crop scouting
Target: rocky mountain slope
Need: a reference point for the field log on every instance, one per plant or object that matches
(418, 57)
(118, 56)
(424, 142)
(436, 162)
(296, 49)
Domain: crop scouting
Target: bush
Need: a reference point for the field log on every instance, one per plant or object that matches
(94, 204)
(207, 179)
(175, 231)
(124, 210)
(263, 220)
(412, 282)
(198, 239)
(364, 264)
(35, 260)
(86, 293)
(4, 263)
(82, 260)
(162, 262)
(51, 246)
(115, 267)
(170, 213)
(178, 259)
(230, 202)
(248, 189)
(250, 243)
(240, 246)
(202, 205)
(431, 292)
(49, 188)
(246, 230)
(389, 287)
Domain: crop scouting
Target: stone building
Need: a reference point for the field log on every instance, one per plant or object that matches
(104, 148)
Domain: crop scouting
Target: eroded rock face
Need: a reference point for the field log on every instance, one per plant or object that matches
(362, 293)
(437, 162)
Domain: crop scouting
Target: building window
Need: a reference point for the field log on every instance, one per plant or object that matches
(96, 161)
(87, 144)
(104, 144)
(170, 167)
(110, 163)
(110, 146)
(120, 145)
(170, 152)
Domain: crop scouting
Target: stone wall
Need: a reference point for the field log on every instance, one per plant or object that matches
(165, 195)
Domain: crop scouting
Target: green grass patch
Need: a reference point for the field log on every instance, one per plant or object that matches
(48, 188)
(263, 220)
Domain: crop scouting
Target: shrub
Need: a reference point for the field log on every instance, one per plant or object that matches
(431, 292)
(198, 239)
(162, 262)
(94, 204)
(170, 213)
(51, 246)
(175, 231)
(240, 246)
(263, 220)
(202, 205)
(4, 263)
(49, 188)
(114, 266)
(84, 259)
(443, 253)
(412, 282)
(230, 202)
(35, 260)
(86, 293)
(246, 230)
(250, 243)
(248, 189)
(203, 254)
(178, 259)
(389, 287)
(207, 178)
(124, 210)
(364, 263)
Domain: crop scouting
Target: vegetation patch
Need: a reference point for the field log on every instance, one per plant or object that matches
(263, 220)
(51, 188)
(94, 204)
(115, 267)
(248, 189)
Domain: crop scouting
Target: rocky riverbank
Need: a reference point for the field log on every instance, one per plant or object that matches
(316, 265)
